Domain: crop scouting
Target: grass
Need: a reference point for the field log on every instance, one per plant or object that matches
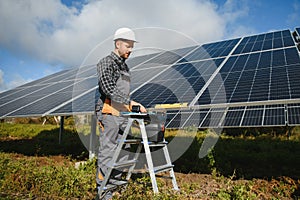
(32, 177)
(241, 166)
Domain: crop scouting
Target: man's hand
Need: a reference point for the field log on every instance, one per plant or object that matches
(142, 108)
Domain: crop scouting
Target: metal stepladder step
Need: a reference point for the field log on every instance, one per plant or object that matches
(139, 118)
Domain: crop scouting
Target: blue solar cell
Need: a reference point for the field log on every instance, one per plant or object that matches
(267, 45)
(279, 88)
(233, 118)
(257, 46)
(229, 64)
(278, 58)
(240, 63)
(274, 117)
(265, 60)
(230, 83)
(277, 43)
(269, 36)
(286, 33)
(293, 115)
(260, 87)
(241, 92)
(253, 117)
(292, 56)
(288, 41)
(294, 83)
(204, 98)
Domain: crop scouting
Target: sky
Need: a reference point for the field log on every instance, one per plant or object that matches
(39, 38)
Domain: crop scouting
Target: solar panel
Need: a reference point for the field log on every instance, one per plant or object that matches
(259, 76)
(241, 82)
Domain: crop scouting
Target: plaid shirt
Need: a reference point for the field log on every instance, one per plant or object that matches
(108, 70)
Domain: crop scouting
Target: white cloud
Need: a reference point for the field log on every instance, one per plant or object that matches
(50, 31)
(293, 18)
(233, 12)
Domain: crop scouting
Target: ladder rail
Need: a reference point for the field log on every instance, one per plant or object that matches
(148, 155)
(115, 157)
(169, 162)
(130, 170)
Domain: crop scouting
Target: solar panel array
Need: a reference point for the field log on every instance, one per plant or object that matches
(242, 82)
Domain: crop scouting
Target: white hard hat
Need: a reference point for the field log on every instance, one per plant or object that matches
(124, 33)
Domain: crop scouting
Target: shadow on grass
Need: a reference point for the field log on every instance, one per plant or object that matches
(46, 143)
(244, 158)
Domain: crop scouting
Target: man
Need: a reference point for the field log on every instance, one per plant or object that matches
(114, 88)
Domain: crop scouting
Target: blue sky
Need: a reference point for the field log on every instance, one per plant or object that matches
(38, 38)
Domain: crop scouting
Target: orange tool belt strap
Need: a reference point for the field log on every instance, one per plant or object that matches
(114, 109)
(107, 108)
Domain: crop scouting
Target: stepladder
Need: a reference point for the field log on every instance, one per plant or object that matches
(150, 141)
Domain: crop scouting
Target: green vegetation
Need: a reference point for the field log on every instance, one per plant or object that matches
(249, 165)
(32, 177)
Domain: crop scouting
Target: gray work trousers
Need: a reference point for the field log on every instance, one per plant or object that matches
(114, 126)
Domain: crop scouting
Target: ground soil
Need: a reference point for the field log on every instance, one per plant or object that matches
(206, 185)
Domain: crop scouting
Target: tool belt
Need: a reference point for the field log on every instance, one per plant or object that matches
(113, 108)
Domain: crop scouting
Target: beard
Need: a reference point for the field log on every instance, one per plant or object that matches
(125, 55)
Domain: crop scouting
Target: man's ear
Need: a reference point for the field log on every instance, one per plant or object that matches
(117, 44)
